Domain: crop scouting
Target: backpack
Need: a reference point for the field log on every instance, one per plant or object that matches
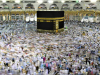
(46, 64)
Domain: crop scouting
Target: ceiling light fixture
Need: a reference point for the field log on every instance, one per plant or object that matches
(40, 1)
(79, 1)
(50, 1)
(4, 1)
(93, 1)
(62, 1)
(17, 1)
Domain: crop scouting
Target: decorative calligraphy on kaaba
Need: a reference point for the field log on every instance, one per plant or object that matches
(50, 21)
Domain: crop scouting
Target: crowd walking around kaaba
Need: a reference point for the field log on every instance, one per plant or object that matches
(75, 51)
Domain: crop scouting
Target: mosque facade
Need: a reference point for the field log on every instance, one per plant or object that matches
(27, 10)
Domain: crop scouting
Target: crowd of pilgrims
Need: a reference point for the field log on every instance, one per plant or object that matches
(75, 51)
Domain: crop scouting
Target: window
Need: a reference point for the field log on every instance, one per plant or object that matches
(5, 17)
(8, 17)
(85, 17)
(17, 17)
(1, 18)
(21, 17)
(13, 17)
(92, 17)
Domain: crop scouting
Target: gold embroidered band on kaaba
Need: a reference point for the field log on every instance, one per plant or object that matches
(50, 19)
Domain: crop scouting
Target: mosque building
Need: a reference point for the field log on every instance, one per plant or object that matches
(49, 37)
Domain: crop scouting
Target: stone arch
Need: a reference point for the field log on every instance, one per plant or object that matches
(77, 6)
(5, 6)
(91, 6)
(42, 6)
(65, 7)
(29, 6)
(16, 6)
(53, 6)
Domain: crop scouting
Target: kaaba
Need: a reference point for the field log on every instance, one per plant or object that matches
(50, 21)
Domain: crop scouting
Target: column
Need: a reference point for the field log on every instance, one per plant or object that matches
(19, 16)
(35, 16)
(15, 16)
(68, 16)
(22, 15)
(25, 17)
(10, 17)
(7, 17)
(65, 17)
(3, 17)
(75, 17)
(80, 17)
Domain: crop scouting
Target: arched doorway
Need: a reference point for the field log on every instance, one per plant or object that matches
(30, 6)
(53, 7)
(32, 17)
(18, 15)
(29, 15)
(42, 7)
(4, 7)
(91, 6)
(1, 16)
(16, 6)
(77, 7)
(65, 7)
